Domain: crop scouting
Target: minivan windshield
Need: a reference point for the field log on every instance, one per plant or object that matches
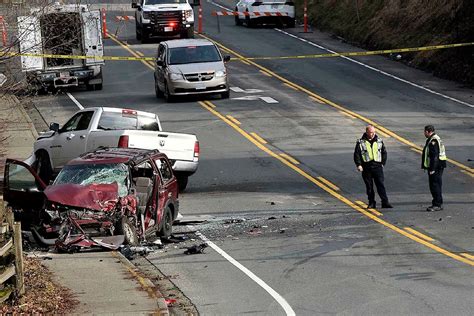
(194, 54)
(163, 1)
(96, 174)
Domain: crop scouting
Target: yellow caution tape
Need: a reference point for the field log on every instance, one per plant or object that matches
(366, 53)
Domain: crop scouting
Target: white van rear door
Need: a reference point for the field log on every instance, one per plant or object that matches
(93, 45)
(29, 35)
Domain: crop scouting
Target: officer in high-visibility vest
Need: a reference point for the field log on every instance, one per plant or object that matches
(434, 160)
(370, 156)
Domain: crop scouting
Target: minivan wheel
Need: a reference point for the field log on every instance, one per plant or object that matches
(238, 21)
(167, 224)
(158, 92)
(167, 95)
(225, 95)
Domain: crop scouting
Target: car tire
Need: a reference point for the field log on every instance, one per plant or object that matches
(144, 36)
(225, 95)
(166, 224)
(43, 167)
(158, 92)
(168, 97)
(291, 23)
(126, 228)
(238, 21)
(182, 182)
(189, 33)
(138, 32)
(249, 21)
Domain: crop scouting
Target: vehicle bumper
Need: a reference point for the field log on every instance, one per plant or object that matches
(189, 167)
(66, 78)
(216, 85)
(166, 30)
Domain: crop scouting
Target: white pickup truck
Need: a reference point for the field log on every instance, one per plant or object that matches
(96, 127)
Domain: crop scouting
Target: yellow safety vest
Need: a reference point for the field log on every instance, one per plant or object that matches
(426, 151)
(371, 152)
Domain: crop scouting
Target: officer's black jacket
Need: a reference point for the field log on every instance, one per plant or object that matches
(358, 153)
(433, 150)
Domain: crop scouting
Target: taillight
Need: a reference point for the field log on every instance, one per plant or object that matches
(123, 141)
(196, 149)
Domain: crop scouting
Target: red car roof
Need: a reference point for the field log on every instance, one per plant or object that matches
(111, 155)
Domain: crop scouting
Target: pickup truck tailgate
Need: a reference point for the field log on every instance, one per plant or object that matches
(176, 146)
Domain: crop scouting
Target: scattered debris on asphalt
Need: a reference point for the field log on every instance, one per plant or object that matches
(195, 249)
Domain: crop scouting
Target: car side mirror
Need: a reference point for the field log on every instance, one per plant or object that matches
(54, 127)
(195, 3)
(226, 58)
(159, 62)
(135, 5)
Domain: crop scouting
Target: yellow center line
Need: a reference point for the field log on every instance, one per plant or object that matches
(468, 256)
(245, 62)
(416, 150)
(210, 104)
(290, 159)
(347, 114)
(417, 233)
(468, 173)
(332, 104)
(257, 137)
(329, 183)
(233, 119)
(140, 54)
(332, 192)
(291, 86)
(372, 210)
(316, 99)
(383, 134)
(265, 73)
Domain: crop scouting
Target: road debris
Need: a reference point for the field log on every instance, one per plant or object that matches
(195, 249)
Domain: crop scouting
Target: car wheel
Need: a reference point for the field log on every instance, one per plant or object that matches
(126, 228)
(182, 182)
(291, 23)
(168, 97)
(238, 21)
(43, 166)
(189, 33)
(225, 95)
(144, 36)
(249, 21)
(167, 224)
(158, 92)
(137, 33)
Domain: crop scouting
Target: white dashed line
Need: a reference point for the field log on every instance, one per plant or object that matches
(79, 105)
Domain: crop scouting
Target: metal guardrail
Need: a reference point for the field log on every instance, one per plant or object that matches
(11, 255)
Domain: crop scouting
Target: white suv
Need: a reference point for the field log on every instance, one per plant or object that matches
(255, 12)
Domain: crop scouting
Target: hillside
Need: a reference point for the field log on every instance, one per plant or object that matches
(376, 24)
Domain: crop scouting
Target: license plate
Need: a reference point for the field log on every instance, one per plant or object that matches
(64, 74)
(168, 29)
(200, 87)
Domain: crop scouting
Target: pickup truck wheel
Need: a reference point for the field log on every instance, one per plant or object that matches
(167, 224)
(189, 33)
(137, 32)
(291, 23)
(43, 167)
(144, 36)
(126, 228)
(249, 21)
(182, 182)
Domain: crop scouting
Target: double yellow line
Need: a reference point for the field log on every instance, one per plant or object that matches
(322, 183)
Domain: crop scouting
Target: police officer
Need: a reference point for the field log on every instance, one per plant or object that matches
(370, 156)
(434, 160)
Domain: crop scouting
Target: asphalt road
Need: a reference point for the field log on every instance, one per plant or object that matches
(322, 253)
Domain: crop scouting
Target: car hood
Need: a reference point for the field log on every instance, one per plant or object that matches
(91, 196)
(198, 67)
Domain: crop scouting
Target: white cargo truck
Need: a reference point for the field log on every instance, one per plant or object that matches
(62, 29)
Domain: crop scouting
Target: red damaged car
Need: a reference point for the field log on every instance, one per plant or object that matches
(103, 198)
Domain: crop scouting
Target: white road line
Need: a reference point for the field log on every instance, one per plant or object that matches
(79, 105)
(378, 70)
(236, 89)
(283, 303)
(268, 99)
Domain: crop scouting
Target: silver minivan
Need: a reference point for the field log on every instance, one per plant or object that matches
(190, 66)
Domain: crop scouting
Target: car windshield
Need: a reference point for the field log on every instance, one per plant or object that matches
(164, 1)
(194, 54)
(96, 174)
(119, 121)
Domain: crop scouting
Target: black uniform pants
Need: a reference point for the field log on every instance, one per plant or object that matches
(436, 183)
(374, 174)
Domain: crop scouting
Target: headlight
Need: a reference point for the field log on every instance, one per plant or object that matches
(176, 77)
(188, 14)
(220, 73)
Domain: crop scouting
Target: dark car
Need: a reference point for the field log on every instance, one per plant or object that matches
(103, 198)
